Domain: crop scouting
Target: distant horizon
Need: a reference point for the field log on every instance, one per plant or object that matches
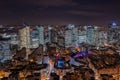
(33, 24)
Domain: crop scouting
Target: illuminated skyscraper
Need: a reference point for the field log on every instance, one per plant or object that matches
(34, 38)
(49, 34)
(75, 36)
(5, 52)
(24, 37)
(54, 35)
(71, 36)
(14, 38)
(82, 36)
(90, 34)
(68, 38)
(113, 32)
(41, 34)
(61, 41)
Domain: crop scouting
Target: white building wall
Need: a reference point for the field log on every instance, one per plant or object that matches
(24, 37)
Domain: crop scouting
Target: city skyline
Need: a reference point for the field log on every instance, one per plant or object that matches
(87, 12)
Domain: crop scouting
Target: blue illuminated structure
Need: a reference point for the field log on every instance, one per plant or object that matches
(114, 24)
(60, 64)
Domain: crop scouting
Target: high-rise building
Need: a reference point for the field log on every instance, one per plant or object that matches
(90, 34)
(34, 36)
(68, 38)
(41, 34)
(24, 37)
(54, 35)
(74, 37)
(49, 34)
(61, 41)
(113, 32)
(82, 36)
(5, 52)
(14, 39)
(97, 35)
(71, 36)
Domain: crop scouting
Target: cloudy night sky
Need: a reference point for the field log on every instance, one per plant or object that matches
(94, 12)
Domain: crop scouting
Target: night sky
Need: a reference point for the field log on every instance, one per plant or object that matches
(84, 12)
